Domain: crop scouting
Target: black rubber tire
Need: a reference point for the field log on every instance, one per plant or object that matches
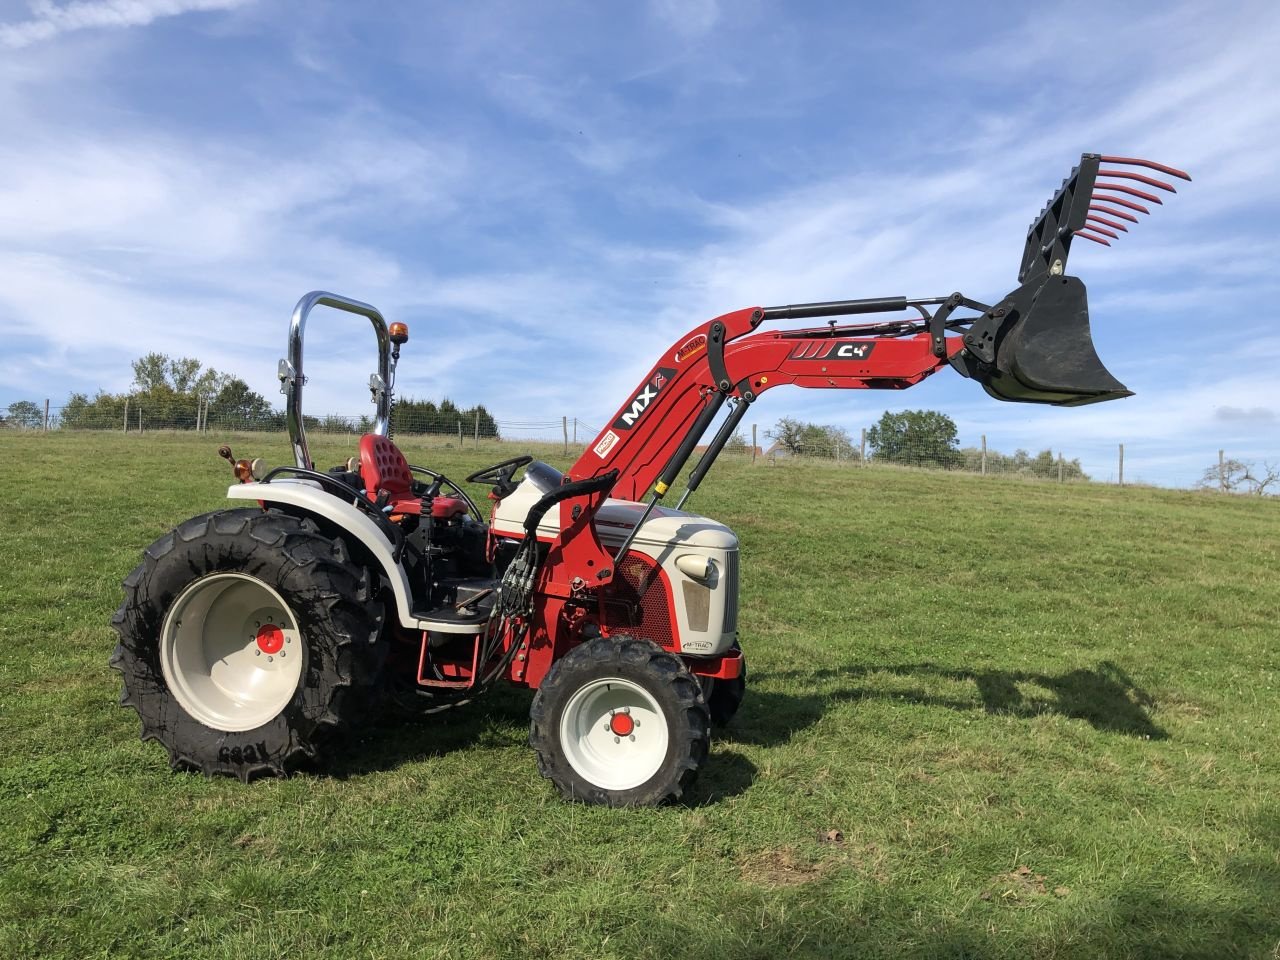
(665, 677)
(339, 617)
(724, 697)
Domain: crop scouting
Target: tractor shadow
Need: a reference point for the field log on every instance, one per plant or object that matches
(1105, 697)
(498, 720)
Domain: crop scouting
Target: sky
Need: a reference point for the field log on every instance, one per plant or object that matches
(550, 194)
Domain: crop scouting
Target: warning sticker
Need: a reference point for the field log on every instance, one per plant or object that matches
(606, 444)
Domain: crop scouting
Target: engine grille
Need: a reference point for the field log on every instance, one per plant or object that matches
(638, 601)
(731, 594)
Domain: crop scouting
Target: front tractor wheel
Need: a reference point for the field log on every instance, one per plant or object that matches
(246, 640)
(620, 722)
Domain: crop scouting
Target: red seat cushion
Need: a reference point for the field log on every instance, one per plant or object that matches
(384, 469)
(442, 508)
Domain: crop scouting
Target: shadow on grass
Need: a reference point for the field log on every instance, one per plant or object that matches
(401, 737)
(1106, 697)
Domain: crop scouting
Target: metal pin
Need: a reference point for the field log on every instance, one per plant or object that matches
(633, 738)
(257, 653)
(617, 739)
(269, 659)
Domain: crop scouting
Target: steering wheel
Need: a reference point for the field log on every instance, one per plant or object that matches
(500, 474)
(439, 480)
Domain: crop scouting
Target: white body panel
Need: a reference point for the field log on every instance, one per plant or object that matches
(665, 537)
(309, 496)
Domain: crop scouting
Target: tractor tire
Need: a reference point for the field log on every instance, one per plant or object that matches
(247, 641)
(620, 722)
(724, 697)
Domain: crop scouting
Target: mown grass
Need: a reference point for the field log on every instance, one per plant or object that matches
(952, 678)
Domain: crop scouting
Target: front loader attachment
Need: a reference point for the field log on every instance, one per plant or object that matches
(1035, 345)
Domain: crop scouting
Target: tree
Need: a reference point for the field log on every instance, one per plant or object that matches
(1236, 476)
(26, 415)
(158, 374)
(811, 440)
(919, 437)
(423, 416)
(235, 401)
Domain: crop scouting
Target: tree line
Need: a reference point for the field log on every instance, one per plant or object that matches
(173, 392)
(915, 438)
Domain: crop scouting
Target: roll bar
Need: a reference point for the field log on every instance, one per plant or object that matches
(292, 378)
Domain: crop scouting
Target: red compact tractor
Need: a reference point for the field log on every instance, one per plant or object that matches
(250, 637)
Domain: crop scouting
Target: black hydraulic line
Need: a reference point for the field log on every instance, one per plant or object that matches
(681, 456)
(726, 431)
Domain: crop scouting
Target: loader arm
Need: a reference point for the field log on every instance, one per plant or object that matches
(1034, 345)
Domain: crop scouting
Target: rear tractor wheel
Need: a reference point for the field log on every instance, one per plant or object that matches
(620, 722)
(246, 641)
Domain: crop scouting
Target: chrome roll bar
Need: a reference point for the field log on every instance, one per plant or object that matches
(292, 379)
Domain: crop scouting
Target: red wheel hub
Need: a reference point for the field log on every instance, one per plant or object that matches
(270, 638)
(621, 724)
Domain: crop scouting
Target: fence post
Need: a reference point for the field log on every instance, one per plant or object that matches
(126, 414)
(862, 450)
(564, 425)
(459, 434)
(477, 426)
(575, 431)
(139, 419)
(46, 415)
(1222, 472)
(1059, 466)
(753, 443)
(1122, 464)
(984, 454)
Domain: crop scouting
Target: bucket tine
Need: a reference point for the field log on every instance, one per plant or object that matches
(1140, 177)
(1121, 201)
(1099, 208)
(1094, 228)
(1149, 164)
(1105, 222)
(1090, 236)
(1120, 187)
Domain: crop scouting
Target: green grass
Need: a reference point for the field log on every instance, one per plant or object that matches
(963, 676)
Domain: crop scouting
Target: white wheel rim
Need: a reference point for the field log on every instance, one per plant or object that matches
(603, 748)
(230, 652)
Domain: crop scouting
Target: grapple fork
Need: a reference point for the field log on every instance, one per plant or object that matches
(1036, 346)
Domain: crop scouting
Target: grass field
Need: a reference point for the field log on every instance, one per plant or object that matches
(986, 718)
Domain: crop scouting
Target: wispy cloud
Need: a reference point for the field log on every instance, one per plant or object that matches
(48, 19)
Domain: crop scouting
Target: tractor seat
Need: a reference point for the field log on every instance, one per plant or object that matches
(384, 470)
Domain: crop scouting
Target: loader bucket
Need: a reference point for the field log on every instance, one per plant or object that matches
(1042, 352)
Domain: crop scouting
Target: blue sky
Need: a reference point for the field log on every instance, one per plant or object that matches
(550, 194)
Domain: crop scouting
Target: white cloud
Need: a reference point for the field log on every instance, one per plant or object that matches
(48, 19)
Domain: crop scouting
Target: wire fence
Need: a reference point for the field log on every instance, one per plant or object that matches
(766, 447)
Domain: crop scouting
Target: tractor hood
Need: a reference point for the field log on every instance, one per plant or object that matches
(615, 520)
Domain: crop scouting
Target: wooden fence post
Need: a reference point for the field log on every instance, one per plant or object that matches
(564, 426)
(984, 454)
(1122, 464)
(1222, 472)
(126, 414)
(862, 450)
(753, 443)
